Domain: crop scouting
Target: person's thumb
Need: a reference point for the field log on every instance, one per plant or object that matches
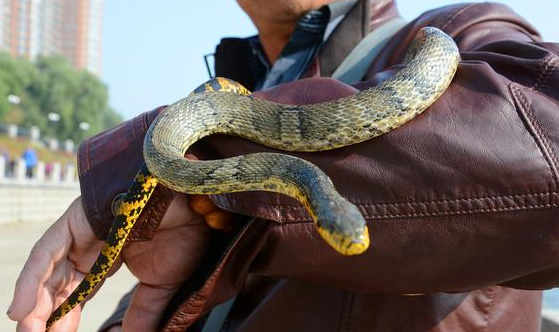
(146, 308)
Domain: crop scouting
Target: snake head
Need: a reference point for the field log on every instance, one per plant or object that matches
(343, 227)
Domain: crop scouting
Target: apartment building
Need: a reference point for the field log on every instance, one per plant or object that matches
(71, 28)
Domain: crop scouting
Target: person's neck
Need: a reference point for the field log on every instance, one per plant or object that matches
(276, 20)
(274, 37)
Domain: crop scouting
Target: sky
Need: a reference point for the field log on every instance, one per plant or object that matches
(153, 54)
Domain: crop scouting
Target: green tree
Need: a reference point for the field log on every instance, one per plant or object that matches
(51, 85)
(16, 76)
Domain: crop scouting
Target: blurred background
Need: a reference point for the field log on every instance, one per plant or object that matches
(72, 68)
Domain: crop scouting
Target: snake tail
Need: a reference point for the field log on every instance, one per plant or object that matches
(129, 210)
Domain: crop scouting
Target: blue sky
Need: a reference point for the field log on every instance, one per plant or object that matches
(153, 53)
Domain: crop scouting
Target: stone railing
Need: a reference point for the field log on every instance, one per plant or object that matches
(55, 173)
(34, 135)
(42, 197)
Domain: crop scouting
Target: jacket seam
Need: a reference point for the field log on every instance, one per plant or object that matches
(457, 13)
(136, 233)
(454, 200)
(464, 212)
(536, 132)
(549, 66)
(368, 215)
(149, 223)
(93, 195)
(491, 199)
(85, 181)
(347, 312)
(145, 123)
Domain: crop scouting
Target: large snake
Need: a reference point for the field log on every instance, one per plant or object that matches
(223, 106)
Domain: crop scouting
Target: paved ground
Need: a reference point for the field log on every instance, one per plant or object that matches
(16, 242)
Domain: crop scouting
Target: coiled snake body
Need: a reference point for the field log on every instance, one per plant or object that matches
(432, 63)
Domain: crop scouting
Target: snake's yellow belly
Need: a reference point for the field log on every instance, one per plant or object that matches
(223, 106)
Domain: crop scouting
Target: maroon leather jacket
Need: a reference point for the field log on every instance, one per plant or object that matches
(462, 202)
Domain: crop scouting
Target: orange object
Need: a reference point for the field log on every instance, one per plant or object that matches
(201, 204)
(215, 218)
(220, 220)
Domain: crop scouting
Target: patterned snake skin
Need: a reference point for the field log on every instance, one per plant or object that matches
(223, 106)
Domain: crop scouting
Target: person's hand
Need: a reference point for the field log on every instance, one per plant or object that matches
(63, 255)
(56, 265)
(164, 263)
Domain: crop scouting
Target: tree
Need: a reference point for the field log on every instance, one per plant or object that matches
(16, 76)
(51, 85)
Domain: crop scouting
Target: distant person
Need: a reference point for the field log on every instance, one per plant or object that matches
(48, 169)
(31, 160)
(462, 202)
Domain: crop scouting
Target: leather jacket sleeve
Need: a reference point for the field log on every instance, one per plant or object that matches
(465, 195)
(107, 163)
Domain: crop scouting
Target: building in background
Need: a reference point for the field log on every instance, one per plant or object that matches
(71, 28)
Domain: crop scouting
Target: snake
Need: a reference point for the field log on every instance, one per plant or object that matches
(223, 106)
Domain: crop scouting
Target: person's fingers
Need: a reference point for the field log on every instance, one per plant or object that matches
(36, 320)
(48, 277)
(86, 246)
(71, 320)
(83, 260)
(32, 323)
(68, 323)
(46, 253)
(58, 285)
(162, 265)
(146, 307)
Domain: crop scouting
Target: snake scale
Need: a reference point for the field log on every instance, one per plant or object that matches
(225, 107)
